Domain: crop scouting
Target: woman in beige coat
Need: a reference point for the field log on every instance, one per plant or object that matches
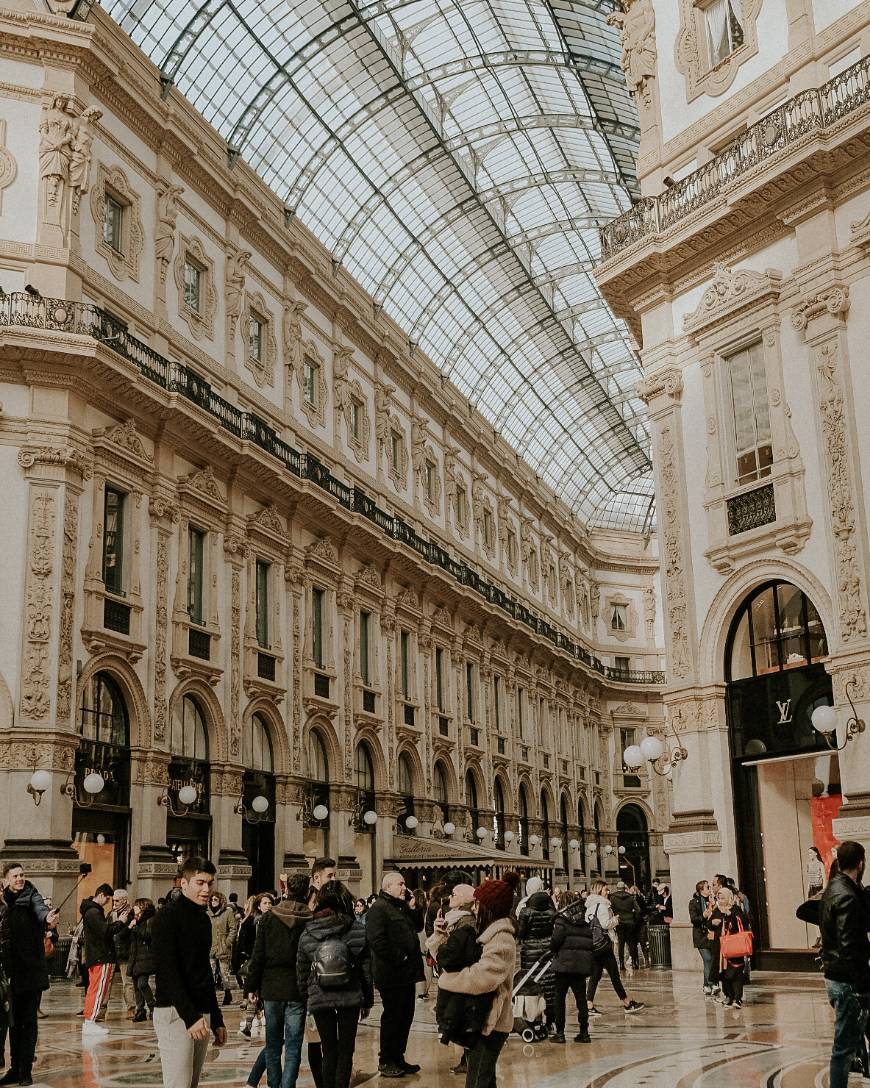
(492, 974)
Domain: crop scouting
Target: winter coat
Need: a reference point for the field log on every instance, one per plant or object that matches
(492, 974)
(223, 930)
(460, 1017)
(27, 914)
(626, 909)
(181, 939)
(122, 936)
(271, 969)
(246, 937)
(700, 925)
(327, 925)
(844, 924)
(534, 932)
(571, 944)
(597, 905)
(99, 934)
(395, 947)
(141, 960)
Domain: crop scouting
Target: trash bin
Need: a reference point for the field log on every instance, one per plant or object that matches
(659, 946)
(57, 963)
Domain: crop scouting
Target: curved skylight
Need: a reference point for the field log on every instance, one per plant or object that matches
(456, 158)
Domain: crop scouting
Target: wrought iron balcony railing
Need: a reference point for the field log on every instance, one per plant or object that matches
(808, 112)
(27, 311)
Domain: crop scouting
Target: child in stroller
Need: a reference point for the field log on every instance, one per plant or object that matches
(530, 1002)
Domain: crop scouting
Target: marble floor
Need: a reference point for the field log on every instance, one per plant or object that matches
(780, 1039)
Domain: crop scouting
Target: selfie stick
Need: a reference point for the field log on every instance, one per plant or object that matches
(72, 892)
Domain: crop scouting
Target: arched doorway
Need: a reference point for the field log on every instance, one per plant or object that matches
(405, 783)
(581, 821)
(597, 855)
(365, 843)
(632, 843)
(315, 836)
(786, 781)
(524, 820)
(188, 827)
(258, 829)
(498, 811)
(563, 832)
(545, 825)
(441, 791)
(101, 819)
(472, 803)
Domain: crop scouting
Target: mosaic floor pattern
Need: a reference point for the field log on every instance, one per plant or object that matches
(780, 1039)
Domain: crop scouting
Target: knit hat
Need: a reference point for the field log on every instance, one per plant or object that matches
(534, 884)
(498, 895)
(463, 893)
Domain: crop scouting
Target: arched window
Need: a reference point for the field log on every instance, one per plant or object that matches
(103, 713)
(596, 821)
(545, 822)
(563, 830)
(471, 800)
(318, 764)
(442, 796)
(581, 820)
(498, 805)
(256, 745)
(406, 776)
(364, 769)
(776, 628)
(188, 735)
(633, 845)
(524, 820)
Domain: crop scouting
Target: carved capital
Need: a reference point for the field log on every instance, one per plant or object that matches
(833, 301)
(667, 383)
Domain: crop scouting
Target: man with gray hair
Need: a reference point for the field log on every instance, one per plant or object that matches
(392, 925)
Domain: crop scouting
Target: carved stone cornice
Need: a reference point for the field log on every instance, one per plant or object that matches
(32, 458)
(729, 291)
(667, 382)
(831, 301)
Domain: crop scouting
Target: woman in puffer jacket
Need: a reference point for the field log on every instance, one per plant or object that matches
(603, 922)
(534, 932)
(336, 1005)
(492, 974)
(571, 946)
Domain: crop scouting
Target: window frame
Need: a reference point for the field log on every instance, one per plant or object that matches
(196, 581)
(112, 201)
(318, 641)
(192, 264)
(118, 535)
(262, 596)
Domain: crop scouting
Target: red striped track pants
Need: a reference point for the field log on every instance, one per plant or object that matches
(99, 981)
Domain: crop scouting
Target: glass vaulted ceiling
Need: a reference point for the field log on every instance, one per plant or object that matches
(456, 158)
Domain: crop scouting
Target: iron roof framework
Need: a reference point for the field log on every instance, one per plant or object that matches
(456, 157)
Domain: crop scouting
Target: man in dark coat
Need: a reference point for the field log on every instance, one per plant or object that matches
(571, 945)
(397, 965)
(100, 957)
(627, 910)
(271, 976)
(28, 919)
(700, 911)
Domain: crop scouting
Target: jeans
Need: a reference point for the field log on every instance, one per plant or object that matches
(23, 1031)
(850, 1018)
(337, 1028)
(482, 1060)
(396, 1019)
(577, 985)
(285, 1027)
(627, 935)
(706, 955)
(601, 962)
(144, 994)
(257, 1070)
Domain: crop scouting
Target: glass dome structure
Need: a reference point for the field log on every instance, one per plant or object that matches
(456, 157)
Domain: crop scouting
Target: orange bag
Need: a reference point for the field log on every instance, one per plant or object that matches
(733, 946)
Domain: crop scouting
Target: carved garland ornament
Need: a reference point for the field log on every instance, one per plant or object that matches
(112, 181)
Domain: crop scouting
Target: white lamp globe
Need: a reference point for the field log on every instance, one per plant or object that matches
(621, 849)
(651, 748)
(449, 828)
(824, 719)
(370, 818)
(40, 781)
(508, 836)
(260, 804)
(481, 832)
(187, 795)
(632, 756)
(574, 844)
(101, 840)
(411, 822)
(320, 812)
(93, 783)
(534, 840)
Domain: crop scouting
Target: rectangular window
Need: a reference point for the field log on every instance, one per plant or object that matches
(395, 450)
(193, 275)
(317, 626)
(626, 739)
(619, 617)
(113, 223)
(310, 373)
(439, 677)
(496, 701)
(512, 547)
(255, 337)
(405, 663)
(430, 480)
(488, 530)
(364, 625)
(195, 573)
(623, 664)
(521, 717)
(469, 691)
(355, 418)
(113, 540)
(752, 439)
(461, 504)
(262, 603)
(724, 31)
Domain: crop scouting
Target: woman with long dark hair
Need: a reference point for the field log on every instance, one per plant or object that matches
(492, 974)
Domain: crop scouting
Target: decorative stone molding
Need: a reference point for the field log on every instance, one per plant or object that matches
(112, 181)
(483, 515)
(291, 335)
(268, 521)
(637, 31)
(667, 382)
(359, 441)
(566, 583)
(833, 300)
(234, 286)
(164, 231)
(69, 556)
(205, 483)
(126, 438)
(692, 56)
(677, 592)
(263, 368)
(456, 491)
(630, 632)
(201, 321)
(529, 554)
(729, 291)
(425, 465)
(66, 135)
(315, 412)
(390, 436)
(8, 165)
(38, 606)
(30, 457)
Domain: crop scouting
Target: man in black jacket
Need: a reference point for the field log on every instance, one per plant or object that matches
(846, 958)
(397, 964)
(271, 975)
(100, 958)
(700, 911)
(628, 912)
(186, 1005)
(27, 919)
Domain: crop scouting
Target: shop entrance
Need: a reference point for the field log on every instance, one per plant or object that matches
(786, 780)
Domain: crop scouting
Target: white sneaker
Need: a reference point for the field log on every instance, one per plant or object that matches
(90, 1028)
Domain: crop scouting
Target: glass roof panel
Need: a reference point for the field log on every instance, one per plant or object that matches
(456, 157)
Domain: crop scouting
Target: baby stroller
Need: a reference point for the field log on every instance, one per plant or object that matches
(530, 1005)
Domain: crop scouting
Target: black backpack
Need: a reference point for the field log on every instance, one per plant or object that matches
(332, 966)
(601, 941)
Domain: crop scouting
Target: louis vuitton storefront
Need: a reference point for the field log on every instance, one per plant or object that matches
(785, 777)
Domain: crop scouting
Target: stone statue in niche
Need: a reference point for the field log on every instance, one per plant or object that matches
(637, 29)
(56, 137)
(167, 214)
(237, 260)
(80, 155)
